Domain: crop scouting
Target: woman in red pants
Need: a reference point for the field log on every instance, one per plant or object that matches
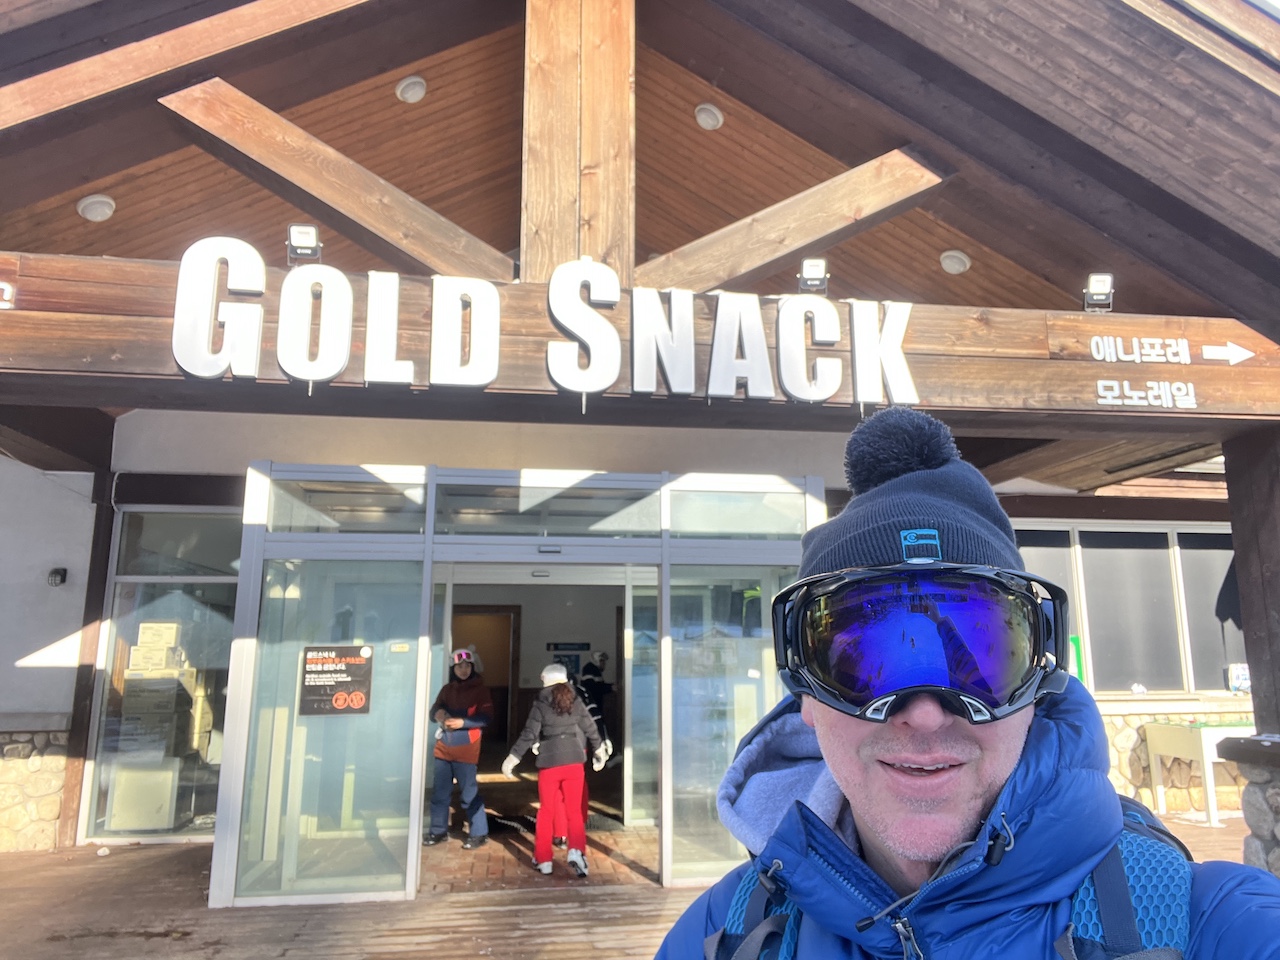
(561, 726)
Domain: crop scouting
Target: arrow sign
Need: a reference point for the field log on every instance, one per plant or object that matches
(1233, 353)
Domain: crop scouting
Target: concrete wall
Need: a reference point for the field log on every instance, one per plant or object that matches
(46, 521)
(157, 441)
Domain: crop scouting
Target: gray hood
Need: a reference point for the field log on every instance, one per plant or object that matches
(777, 763)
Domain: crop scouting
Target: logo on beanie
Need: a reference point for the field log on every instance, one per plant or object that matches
(920, 545)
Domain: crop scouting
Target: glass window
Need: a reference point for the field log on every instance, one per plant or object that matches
(737, 516)
(547, 511)
(1213, 607)
(1047, 553)
(364, 506)
(1133, 632)
(160, 727)
(725, 679)
(179, 544)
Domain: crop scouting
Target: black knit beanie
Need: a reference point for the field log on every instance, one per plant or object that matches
(913, 497)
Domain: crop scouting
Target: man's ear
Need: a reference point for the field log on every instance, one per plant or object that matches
(806, 709)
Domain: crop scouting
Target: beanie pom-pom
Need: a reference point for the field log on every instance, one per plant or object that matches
(893, 442)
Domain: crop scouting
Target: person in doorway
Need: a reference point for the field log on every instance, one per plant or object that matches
(593, 678)
(937, 784)
(560, 834)
(561, 726)
(463, 708)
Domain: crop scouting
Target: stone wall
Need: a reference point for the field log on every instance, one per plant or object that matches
(1184, 783)
(32, 768)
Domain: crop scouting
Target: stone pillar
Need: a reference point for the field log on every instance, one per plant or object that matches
(1258, 759)
(1261, 803)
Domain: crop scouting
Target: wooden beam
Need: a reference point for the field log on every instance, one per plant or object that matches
(549, 213)
(608, 174)
(57, 438)
(1253, 477)
(95, 331)
(1251, 26)
(1053, 177)
(330, 186)
(135, 63)
(1108, 459)
(813, 220)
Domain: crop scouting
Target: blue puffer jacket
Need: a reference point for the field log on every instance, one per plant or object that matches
(1063, 814)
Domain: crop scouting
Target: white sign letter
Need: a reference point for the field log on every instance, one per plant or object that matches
(293, 332)
(382, 326)
(197, 300)
(738, 320)
(447, 295)
(793, 366)
(587, 326)
(652, 338)
(876, 351)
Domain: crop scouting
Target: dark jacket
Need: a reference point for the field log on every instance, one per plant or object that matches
(562, 738)
(468, 699)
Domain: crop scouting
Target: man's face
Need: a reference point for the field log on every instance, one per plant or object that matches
(920, 783)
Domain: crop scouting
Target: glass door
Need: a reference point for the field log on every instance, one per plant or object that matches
(327, 797)
(320, 797)
(724, 679)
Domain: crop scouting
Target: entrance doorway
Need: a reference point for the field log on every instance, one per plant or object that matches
(493, 634)
(521, 618)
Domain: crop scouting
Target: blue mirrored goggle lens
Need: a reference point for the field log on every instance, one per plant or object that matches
(870, 638)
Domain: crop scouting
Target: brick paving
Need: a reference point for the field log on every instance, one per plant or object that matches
(615, 854)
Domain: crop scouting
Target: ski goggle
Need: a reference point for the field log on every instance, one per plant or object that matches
(986, 642)
(463, 656)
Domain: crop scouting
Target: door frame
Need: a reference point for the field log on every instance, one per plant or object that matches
(257, 546)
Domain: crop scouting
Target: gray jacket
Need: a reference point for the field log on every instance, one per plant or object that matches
(562, 738)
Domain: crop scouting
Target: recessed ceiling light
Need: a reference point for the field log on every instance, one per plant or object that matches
(96, 207)
(411, 89)
(954, 261)
(708, 116)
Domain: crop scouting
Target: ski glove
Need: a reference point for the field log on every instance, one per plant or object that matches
(599, 757)
(509, 766)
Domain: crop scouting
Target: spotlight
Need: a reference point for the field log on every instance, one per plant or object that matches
(303, 242)
(709, 116)
(1099, 292)
(411, 89)
(813, 276)
(954, 262)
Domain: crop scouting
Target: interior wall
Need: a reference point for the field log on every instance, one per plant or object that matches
(161, 441)
(554, 614)
(47, 521)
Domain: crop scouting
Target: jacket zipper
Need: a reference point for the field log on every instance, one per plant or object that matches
(910, 949)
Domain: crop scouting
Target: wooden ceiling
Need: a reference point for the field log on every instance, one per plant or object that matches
(1090, 136)
(458, 151)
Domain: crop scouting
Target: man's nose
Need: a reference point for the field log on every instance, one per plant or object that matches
(922, 711)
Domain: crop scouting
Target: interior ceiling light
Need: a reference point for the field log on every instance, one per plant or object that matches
(955, 262)
(708, 116)
(411, 89)
(96, 207)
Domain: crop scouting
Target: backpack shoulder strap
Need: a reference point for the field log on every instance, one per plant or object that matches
(1137, 899)
(760, 923)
